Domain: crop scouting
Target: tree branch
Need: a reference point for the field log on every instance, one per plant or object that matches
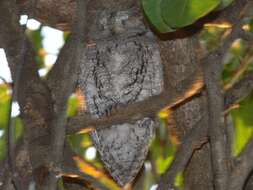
(243, 167)
(246, 61)
(212, 70)
(16, 49)
(212, 66)
(135, 111)
(239, 91)
(61, 81)
(233, 14)
(191, 142)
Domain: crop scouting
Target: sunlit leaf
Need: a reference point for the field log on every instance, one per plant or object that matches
(164, 114)
(243, 122)
(4, 109)
(4, 112)
(180, 13)
(66, 35)
(4, 105)
(75, 142)
(179, 180)
(152, 9)
(86, 141)
(96, 173)
(163, 164)
(162, 151)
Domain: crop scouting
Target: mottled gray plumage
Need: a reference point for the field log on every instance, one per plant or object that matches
(121, 67)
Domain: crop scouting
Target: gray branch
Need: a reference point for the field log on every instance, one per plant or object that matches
(61, 81)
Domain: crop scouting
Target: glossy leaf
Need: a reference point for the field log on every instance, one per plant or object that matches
(180, 13)
(152, 10)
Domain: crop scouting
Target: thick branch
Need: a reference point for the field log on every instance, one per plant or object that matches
(212, 71)
(61, 14)
(20, 59)
(135, 111)
(62, 81)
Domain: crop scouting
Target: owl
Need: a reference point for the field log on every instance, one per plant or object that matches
(120, 67)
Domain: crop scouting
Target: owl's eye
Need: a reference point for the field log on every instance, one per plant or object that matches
(103, 23)
(121, 17)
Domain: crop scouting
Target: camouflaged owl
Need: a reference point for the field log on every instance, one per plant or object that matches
(122, 66)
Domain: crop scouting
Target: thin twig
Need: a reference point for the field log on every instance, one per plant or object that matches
(3, 79)
(247, 60)
(239, 91)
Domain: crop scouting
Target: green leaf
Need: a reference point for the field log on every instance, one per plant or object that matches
(72, 106)
(2, 148)
(179, 181)
(4, 109)
(37, 38)
(4, 105)
(251, 25)
(180, 13)
(243, 121)
(152, 10)
(163, 164)
(18, 130)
